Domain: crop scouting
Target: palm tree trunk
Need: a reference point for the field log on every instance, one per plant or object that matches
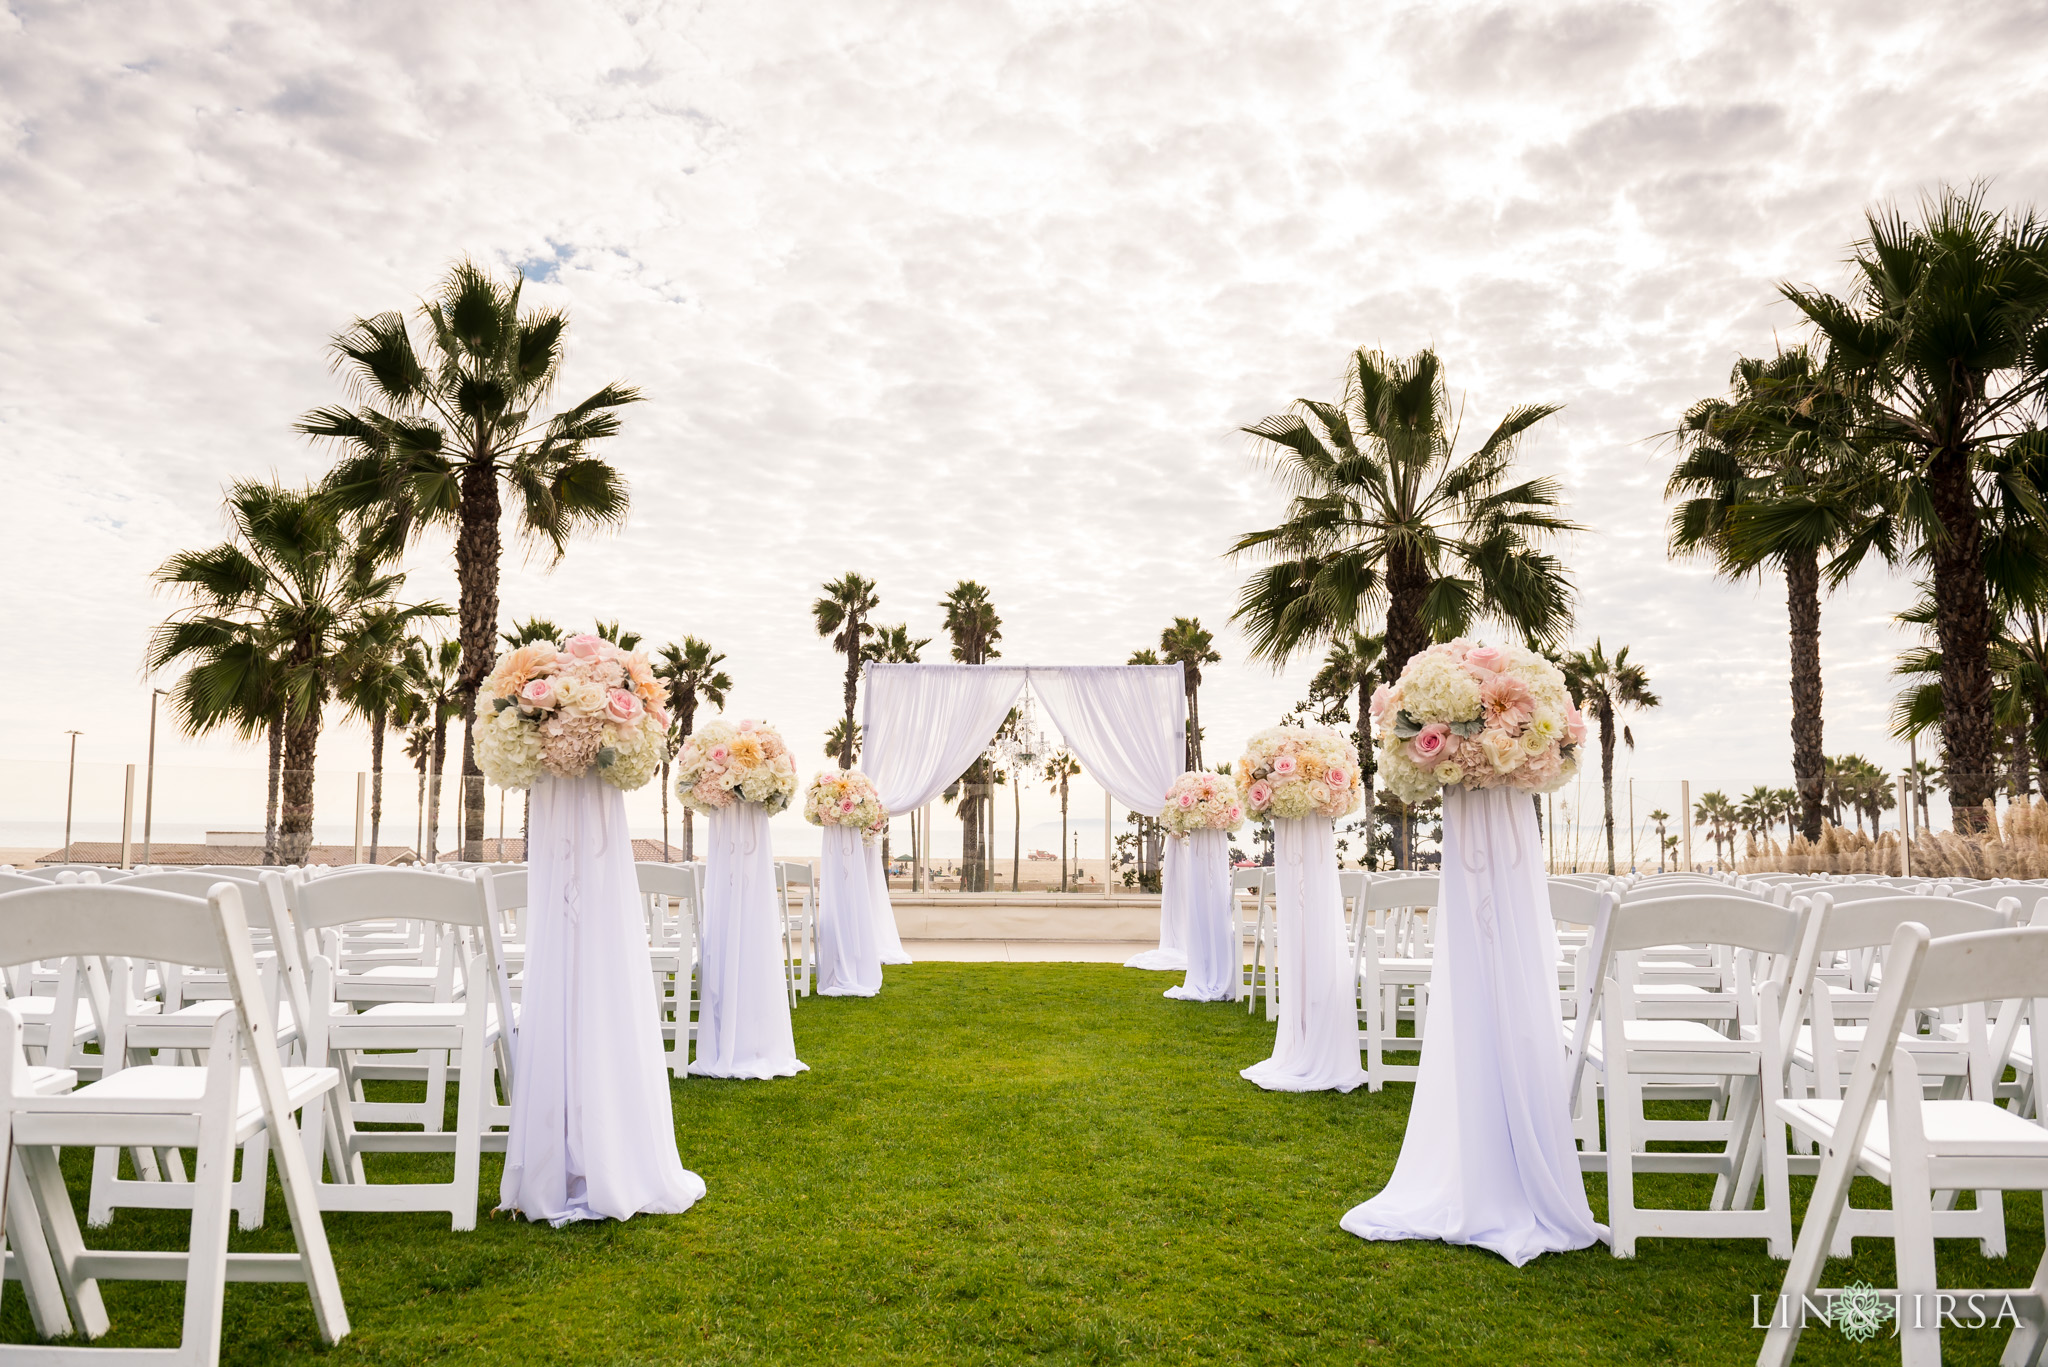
(1407, 588)
(477, 549)
(2022, 784)
(1063, 833)
(1606, 710)
(1016, 828)
(295, 825)
(440, 759)
(1962, 628)
(852, 691)
(1809, 768)
(376, 780)
(270, 803)
(1194, 726)
(664, 812)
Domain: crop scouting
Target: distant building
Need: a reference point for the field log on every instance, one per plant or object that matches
(231, 852)
(511, 851)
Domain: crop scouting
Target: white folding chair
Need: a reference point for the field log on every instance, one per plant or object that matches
(798, 927)
(241, 1091)
(474, 1032)
(1391, 966)
(1888, 1130)
(672, 953)
(1252, 927)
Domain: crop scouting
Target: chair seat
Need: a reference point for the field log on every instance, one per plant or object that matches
(42, 1081)
(411, 973)
(1849, 1039)
(174, 1089)
(1671, 990)
(207, 1012)
(1669, 1034)
(38, 1010)
(405, 1014)
(1955, 1129)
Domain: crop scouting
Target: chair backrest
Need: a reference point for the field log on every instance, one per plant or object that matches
(1991, 894)
(509, 886)
(1844, 893)
(379, 894)
(1575, 904)
(1247, 880)
(668, 880)
(95, 919)
(15, 882)
(795, 874)
(1723, 918)
(1874, 920)
(1352, 882)
(189, 882)
(1404, 890)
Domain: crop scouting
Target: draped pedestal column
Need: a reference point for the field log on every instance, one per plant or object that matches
(743, 1027)
(1316, 1047)
(849, 954)
(592, 1132)
(1172, 954)
(1200, 871)
(1488, 1158)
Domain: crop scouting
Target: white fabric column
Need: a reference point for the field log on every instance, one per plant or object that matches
(1199, 876)
(743, 1027)
(888, 939)
(1488, 1158)
(849, 959)
(922, 725)
(592, 1132)
(1316, 1047)
(1172, 955)
(1126, 725)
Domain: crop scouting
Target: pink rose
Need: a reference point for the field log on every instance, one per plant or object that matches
(1260, 793)
(1380, 697)
(1574, 725)
(747, 725)
(720, 754)
(1427, 746)
(1485, 660)
(623, 707)
(846, 804)
(538, 693)
(1236, 812)
(1187, 799)
(1338, 777)
(654, 710)
(583, 648)
(1283, 765)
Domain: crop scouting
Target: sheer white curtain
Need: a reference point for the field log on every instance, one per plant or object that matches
(1315, 1048)
(743, 1025)
(1199, 879)
(1126, 725)
(887, 938)
(849, 952)
(922, 725)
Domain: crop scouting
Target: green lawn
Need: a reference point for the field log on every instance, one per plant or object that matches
(1005, 1163)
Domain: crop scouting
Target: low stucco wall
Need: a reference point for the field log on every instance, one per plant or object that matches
(1021, 916)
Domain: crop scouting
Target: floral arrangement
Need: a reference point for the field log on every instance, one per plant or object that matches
(728, 762)
(569, 709)
(1478, 715)
(1201, 801)
(845, 797)
(1298, 771)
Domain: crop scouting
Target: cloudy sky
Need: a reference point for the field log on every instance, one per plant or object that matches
(946, 291)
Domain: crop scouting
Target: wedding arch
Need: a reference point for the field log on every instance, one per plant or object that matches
(922, 725)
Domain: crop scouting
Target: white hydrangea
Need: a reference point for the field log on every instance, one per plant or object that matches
(508, 749)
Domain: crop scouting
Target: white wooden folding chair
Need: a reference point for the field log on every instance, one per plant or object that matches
(672, 953)
(1252, 931)
(242, 1090)
(1887, 1129)
(799, 927)
(1391, 966)
(1690, 1059)
(475, 1032)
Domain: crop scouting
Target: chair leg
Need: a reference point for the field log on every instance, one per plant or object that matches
(32, 1258)
(1623, 1099)
(1912, 1221)
(206, 1265)
(60, 1233)
(254, 1183)
(469, 1115)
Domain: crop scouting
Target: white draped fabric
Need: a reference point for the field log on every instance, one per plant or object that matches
(1316, 1047)
(1488, 1158)
(888, 939)
(743, 1027)
(1171, 956)
(922, 725)
(593, 1135)
(1127, 726)
(1198, 877)
(849, 955)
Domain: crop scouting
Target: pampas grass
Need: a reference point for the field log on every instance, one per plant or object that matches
(2015, 846)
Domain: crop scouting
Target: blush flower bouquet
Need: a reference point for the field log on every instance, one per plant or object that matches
(728, 762)
(569, 709)
(1298, 771)
(845, 797)
(1478, 715)
(1201, 801)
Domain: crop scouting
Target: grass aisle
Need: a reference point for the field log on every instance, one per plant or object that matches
(1006, 1163)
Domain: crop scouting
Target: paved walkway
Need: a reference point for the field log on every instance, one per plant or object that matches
(1026, 951)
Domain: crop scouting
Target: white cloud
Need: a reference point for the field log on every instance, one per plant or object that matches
(940, 292)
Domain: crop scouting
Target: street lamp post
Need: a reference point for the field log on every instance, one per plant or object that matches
(149, 779)
(70, 787)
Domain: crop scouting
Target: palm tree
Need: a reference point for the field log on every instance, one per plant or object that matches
(1924, 779)
(972, 622)
(1772, 481)
(446, 428)
(433, 673)
(1658, 816)
(1607, 685)
(687, 672)
(1059, 767)
(844, 609)
(838, 742)
(376, 692)
(419, 748)
(618, 635)
(313, 599)
(1757, 811)
(1942, 351)
(1717, 814)
(1187, 645)
(532, 631)
(1385, 512)
(1148, 656)
(2019, 670)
